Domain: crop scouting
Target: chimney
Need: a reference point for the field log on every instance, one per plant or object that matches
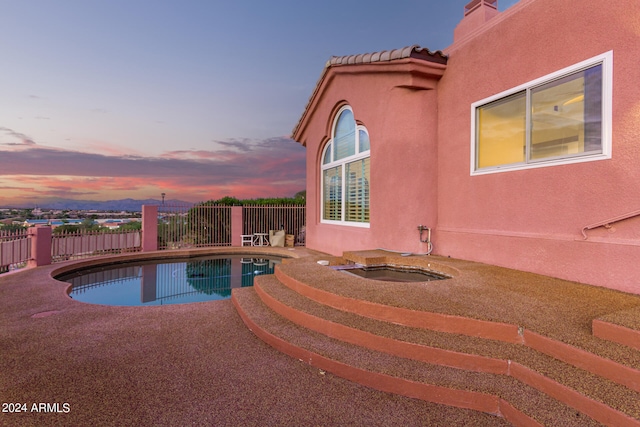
(476, 13)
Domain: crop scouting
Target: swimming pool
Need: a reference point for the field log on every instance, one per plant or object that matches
(159, 282)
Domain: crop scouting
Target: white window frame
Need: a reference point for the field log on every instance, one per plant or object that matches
(606, 59)
(343, 164)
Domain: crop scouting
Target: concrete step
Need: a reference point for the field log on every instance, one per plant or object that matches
(578, 347)
(621, 327)
(501, 395)
(598, 397)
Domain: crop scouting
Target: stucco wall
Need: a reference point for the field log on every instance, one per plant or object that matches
(399, 112)
(421, 146)
(532, 219)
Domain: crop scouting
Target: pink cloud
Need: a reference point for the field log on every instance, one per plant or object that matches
(10, 137)
(243, 169)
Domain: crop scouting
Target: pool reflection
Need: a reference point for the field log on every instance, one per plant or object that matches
(198, 279)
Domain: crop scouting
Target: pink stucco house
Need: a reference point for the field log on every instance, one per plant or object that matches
(518, 145)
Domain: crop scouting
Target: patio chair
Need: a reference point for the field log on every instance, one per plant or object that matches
(247, 238)
(260, 239)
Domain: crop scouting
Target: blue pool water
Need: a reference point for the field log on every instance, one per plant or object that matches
(166, 281)
(392, 274)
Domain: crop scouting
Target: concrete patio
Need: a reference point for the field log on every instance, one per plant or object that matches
(194, 364)
(198, 364)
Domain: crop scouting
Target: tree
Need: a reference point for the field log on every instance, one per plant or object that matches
(131, 226)
(89, 224)
(301, 195)
(298, 200)
(225, 201)
(171, 231)
(12, 227)
(209, 222)
(66, 228)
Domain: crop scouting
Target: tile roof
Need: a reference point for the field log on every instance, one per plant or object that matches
(413, 51)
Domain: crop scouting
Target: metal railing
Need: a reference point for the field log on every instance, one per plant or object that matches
(15, 249)
(85, 244)
(178, 227)
(182, 226)
(261, 219)
(95, 279)
(607, 222)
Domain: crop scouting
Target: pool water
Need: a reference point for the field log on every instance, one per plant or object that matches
(167, 281)
(393, 274)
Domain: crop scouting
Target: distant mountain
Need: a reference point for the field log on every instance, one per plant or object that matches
(131, 205)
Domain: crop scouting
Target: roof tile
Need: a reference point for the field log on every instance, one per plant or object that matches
(413, 51)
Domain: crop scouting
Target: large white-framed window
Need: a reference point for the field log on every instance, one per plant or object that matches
(564, 117)
(346, 173)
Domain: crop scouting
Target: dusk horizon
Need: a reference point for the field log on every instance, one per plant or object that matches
(86, 204)
(134, 205)
(122, 100)
(243, 169)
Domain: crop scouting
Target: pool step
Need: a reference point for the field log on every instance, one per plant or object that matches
(595, 396)
(496, 394)
(596, 378)
(622, 327)
(625, 370)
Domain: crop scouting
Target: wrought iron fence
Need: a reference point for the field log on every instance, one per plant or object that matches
(178, 227)
(182, 226)
(15, 249)
(261, 219)
(84, 244)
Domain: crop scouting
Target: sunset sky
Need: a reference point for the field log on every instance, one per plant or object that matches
(103, 100)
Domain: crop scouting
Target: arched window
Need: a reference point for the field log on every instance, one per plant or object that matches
(345, 172)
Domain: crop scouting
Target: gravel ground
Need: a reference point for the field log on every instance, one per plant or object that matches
(72, 364)
(68, 363)
(555, 308)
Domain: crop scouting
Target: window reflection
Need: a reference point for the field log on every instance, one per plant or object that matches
(501, 131)
(345, 172)
(558, 119)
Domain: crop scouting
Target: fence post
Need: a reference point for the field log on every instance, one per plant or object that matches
(236, 225)
(41, 242)
(149, 228)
